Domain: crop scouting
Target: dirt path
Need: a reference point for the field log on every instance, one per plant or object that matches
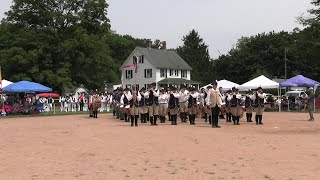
(76, 147)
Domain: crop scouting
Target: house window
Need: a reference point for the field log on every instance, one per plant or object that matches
(184, 74)
(176, 73)
(163, 73)
(148, 73)
(147, 86)
(171, 72)
(129, 74)
(141, 59)
(137, 87)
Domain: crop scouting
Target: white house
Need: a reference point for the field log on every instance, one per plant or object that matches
(165, 67)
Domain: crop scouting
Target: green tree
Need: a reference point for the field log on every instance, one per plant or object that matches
(195, 52)
(58, 43)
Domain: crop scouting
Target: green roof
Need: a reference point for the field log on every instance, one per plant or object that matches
(177, 81)
(164, 59)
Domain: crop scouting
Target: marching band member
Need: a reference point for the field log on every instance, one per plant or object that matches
(202, 103)
(134, 106)
(50, 102)
(236, 108)
(109, 101)
(248, 104)
(228, 107)
(174, 105)
(61, 101)
(103, 103)
(259, 105)
(207, 108)
(152, 97)
(214, 102)
(125, 105)
(163, 101)
(223, 105)
(143, 109)
(192, 105)
(74, 102)
(96, 104)
(90, 104)
(183, 101)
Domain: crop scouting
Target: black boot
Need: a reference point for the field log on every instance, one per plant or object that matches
(250, 117)
(141, 118)
(238, 120)
(260, 120)
(210, 119)
(151, 120)
(257, 119)
(234, 119)
(175, 119)
(163, 119)
(97, 114)
(125, 118)
(169, 116)
(190, 119)
(247, 116)
(172, 119)
(132, 120)
(136, 120)
(155, 118)
(205, 117)
(194, 119)
(114, 112)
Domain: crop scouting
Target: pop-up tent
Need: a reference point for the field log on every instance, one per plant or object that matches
(225, 84)
(5, 83)
(26, 86)
(300, 81)
(260, 81)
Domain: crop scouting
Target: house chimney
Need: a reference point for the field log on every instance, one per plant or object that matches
(164, 45)
(149, 43)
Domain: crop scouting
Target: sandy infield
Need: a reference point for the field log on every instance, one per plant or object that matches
(287, 147)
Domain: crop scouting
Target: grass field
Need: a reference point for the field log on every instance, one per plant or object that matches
(77, 147)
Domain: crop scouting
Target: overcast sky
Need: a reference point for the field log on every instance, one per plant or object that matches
(219, 22)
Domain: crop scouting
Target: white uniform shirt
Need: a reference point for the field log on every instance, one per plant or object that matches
(163, 98)
(184, 96)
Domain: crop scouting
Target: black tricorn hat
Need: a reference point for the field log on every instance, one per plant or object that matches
(259, 88)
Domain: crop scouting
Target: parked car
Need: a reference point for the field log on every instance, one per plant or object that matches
(297, 94)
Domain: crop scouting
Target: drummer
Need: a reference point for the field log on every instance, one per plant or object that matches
(223, 105)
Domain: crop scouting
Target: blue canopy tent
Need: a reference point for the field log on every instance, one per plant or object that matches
(26, 86)
(301, 81)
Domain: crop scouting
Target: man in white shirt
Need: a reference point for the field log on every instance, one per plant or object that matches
(214, 102)
(183, 101)
(125, 105)
(152, 101)
(163, 104)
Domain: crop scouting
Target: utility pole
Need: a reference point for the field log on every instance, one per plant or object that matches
(285, 63)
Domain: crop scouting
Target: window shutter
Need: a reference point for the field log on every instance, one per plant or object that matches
(145, 73)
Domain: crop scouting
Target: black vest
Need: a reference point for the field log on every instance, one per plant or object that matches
(125, 100)
(173, 102)
(192, 102)
(235, 101)
(227, 102)
(136, 104)
(152, 99)
(259, 102)
(248, 102)
(142, 101)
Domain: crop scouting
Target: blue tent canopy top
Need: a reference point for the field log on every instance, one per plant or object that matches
(26, 86)
(300, 81)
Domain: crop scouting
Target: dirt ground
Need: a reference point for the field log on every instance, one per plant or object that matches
(287, 147)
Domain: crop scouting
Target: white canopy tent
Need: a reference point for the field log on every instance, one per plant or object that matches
(225, 84)
(260, 81)
(5, 83)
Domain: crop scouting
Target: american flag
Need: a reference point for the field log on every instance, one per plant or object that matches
(134, 64)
